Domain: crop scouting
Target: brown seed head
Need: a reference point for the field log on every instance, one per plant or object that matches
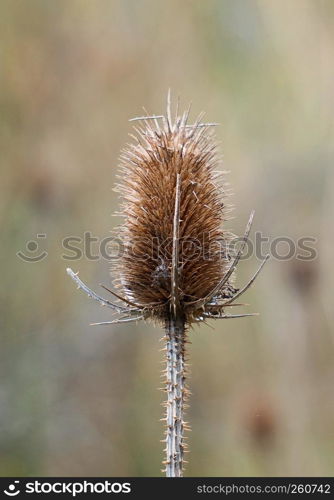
(150, 168)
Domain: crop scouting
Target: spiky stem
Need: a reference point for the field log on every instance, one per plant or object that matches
(176, 396)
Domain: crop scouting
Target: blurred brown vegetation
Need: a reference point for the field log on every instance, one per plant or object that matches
(81, 401)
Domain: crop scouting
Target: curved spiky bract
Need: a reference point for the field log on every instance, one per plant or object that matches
(163, 153)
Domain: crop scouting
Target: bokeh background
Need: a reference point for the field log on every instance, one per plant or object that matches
(77, 400)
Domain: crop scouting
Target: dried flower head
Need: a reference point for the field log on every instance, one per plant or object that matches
(175, 247)
(176, 258)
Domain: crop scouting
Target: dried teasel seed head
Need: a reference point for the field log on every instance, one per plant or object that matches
(173, 212)
(175, 267)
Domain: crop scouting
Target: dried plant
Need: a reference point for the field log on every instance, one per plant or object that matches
(176, 268)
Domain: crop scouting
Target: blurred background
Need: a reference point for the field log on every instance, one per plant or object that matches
(82, 401)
